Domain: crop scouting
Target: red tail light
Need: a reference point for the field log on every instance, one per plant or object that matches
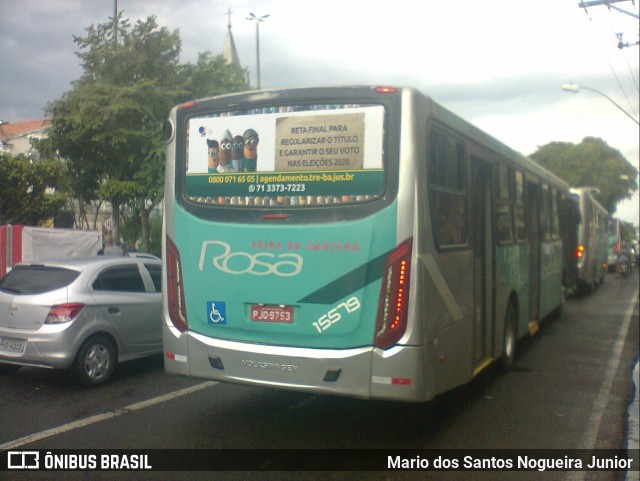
(393, 306)
(385, 90)
(580, 251)
(175, 288)
(63, 313)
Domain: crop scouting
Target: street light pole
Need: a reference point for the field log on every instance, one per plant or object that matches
(570, 87)
(256, 19)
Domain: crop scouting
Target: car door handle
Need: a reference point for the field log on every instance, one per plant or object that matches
(114, 310)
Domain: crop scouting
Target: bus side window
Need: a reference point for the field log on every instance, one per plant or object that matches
(451, 219)
(519, 209)
(555, 220)
(447, 183)
(545, 216)
(504, 209)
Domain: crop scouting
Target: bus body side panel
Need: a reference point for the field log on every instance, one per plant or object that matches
(176, 348)
(448, 293)
(443, 285)
(550, 277)
(174, 342)
(407, 370)
(512, 284)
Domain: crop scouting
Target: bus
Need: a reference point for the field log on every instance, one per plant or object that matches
(615, 239)
(356, 241)
(593, 239)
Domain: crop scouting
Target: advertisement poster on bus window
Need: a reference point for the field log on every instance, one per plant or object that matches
(320, 153)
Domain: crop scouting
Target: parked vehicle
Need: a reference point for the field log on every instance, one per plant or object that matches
(142, 255)
(21, 243)
(83, 314)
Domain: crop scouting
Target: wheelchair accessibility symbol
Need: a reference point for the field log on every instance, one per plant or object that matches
(216, 312)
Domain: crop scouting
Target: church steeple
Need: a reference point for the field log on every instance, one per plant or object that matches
(229, 51)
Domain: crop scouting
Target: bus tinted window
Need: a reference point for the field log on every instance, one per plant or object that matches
(447, 162)
(286, 156)
(447, 172)
(504, 192)
(504, 208)
(555, 226)
(519, 208)
(545, 215)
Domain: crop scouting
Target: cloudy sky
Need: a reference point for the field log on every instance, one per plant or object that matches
(497, 63)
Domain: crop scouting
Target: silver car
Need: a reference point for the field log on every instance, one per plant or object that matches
(81, 314)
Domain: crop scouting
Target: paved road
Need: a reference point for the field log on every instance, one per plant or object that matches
(570, 388)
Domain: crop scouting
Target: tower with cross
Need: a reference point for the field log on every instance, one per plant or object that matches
(229, 51)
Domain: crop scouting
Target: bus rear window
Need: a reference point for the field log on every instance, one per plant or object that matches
(286, 156)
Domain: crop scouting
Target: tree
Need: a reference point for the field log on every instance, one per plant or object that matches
(31, 193)
(211, 76)
(592, 163)
(627, 231)
(110, 125)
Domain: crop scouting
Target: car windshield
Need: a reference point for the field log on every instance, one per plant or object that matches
(36, 279)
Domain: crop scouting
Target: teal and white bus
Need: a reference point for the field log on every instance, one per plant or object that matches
(357, 241)
(593, 239)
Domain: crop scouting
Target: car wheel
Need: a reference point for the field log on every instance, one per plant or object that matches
(95, 361)
(510, 339)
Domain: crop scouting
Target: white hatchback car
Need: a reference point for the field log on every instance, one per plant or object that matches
(84, 314)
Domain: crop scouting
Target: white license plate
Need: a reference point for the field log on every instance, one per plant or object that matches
(262, 313)
(11, 344)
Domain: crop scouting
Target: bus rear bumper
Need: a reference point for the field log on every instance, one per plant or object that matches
(365, 372)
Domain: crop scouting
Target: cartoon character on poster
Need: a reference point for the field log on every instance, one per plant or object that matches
(251, 141)
(237, 152)
(213, 155)
(226, 164)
